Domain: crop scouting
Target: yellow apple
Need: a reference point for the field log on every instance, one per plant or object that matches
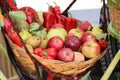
(77, 32)
(96, 31)
(90, 49)
(79, 56)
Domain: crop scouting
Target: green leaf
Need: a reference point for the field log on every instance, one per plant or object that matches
(112, 31)
(111, 66)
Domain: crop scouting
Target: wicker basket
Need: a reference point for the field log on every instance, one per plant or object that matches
(22, 57)
(59, 68)
(68, 70)
(115, 16)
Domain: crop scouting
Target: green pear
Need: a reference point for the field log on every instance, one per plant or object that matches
(24, 34)
(34, 26)
(21, 24)
(96, 31)
(40, 14)
(17, 15)
(40, 33)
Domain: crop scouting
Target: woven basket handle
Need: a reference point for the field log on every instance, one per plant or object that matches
(105, 19)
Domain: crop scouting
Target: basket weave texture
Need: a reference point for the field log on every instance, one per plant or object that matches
(69, 68)
(22, 58)
(115, 16)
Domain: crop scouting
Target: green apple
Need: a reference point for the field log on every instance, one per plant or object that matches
(77, 32)
(57, 32)
(63, 30)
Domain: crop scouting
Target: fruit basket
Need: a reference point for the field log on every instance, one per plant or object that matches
(114, 13)
(52, 45)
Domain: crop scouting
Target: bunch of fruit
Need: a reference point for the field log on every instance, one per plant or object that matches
(52, 36)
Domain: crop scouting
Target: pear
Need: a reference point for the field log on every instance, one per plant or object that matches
(96, 31)
(43, 44)
(21, 24)
(40, 14)
(24, 34)
(34, 26)
(34, 41)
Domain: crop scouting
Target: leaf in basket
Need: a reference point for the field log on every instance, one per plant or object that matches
(100, 36)
(112, 31)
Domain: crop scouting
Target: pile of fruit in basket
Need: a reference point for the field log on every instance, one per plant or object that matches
(50, 35)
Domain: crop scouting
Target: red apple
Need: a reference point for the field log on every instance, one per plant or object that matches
(88, 37)
(90, 49)
(72, 42)
(66, 55)
(85, 26)
(56, 42)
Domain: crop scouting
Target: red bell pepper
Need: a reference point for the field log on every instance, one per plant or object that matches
(50, 8)
(37, 51)
(58, 14)
(12, 5)
(7, 25)
(28, 15)
(15, 37)
(49, 53)
(102, 43)
(49, 19)
(34, 13)
(50, 77)
(70, 23)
